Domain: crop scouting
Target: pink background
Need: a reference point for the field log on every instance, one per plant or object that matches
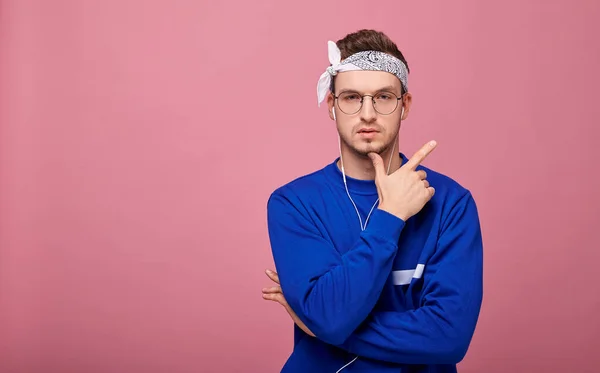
(139, 141)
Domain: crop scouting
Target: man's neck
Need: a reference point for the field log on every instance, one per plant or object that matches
(360, 167)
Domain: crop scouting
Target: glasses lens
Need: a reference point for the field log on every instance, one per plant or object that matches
(349, 102)
(386, 102)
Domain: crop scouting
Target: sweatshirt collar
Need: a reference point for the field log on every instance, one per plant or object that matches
(366, 187)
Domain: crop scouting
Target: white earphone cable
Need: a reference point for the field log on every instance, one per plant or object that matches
(362, 226)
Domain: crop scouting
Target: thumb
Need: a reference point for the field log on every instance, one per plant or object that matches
(377, 165)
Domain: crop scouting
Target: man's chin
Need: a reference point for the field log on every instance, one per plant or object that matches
(363, 148)
(371, 148)
(374, 147)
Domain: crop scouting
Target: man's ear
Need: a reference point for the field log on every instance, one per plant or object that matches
(330, 105)
(406, 102)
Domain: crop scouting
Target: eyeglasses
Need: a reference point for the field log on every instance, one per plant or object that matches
(385, 103)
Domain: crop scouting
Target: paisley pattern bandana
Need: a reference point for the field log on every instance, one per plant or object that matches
(366, 60)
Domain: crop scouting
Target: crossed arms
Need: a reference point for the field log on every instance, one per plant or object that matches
(334, 295)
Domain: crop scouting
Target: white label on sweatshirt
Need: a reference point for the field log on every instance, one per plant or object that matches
(405, 276)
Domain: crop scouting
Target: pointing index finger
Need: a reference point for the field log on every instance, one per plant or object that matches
(420, 155)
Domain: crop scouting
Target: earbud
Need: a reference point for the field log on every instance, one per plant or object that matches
(402, 114)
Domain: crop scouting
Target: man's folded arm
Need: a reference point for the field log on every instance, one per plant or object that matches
(331, 293)
(441, 329)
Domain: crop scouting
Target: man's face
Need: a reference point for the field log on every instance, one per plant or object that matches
(368, 130)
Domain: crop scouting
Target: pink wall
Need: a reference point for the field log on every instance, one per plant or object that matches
(134, 172)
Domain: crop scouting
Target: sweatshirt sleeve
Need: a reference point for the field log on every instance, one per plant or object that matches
(331, 293)
(441, 329)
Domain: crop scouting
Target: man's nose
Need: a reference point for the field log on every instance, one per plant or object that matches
(367, 112)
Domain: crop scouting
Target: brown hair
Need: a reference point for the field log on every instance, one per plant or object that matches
(363, 40)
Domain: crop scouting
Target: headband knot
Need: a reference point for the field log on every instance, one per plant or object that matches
(365, 60)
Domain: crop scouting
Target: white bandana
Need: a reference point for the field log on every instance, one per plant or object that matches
(366, 60)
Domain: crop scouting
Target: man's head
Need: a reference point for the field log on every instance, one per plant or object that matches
(368, 123)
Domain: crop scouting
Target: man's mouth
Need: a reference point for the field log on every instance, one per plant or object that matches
(367, 132)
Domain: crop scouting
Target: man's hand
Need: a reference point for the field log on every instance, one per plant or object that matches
(404, 192)
(275, 294)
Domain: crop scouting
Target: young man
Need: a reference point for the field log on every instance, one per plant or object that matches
(379, 258)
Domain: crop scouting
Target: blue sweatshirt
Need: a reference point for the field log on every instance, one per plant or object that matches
(400, 296)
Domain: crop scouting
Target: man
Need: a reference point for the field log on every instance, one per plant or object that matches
(379, 258)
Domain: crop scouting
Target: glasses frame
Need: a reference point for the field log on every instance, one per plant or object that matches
(362, 100)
